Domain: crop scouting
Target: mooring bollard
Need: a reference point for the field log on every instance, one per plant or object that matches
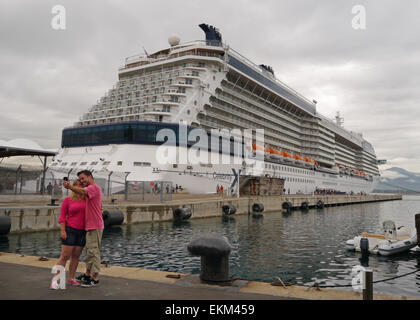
(214, 251)
(368, 285)
(417, 222)
(52, 203)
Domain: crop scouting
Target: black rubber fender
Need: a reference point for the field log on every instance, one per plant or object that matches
(5, 224)
(182, 213)
(112, 218)
(257, 207)
(229, 209)
(287, 205)
(320, 204)
(304, 205)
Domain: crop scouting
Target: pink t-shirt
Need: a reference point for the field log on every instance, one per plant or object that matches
(94, 218)
(73, 213)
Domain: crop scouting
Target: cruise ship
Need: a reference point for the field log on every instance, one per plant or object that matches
(161, 98)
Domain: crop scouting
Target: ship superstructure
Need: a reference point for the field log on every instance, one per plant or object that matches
(208, 85)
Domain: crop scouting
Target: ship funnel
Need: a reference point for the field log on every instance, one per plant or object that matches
(213, 36)
(267, 68)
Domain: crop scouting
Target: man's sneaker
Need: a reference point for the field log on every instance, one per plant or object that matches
(82, 277)
(72, 282)
(90, 283)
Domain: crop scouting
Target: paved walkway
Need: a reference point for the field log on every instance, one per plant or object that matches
(29, 277)
(27, 282)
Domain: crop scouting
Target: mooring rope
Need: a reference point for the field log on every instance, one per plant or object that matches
(316, 285)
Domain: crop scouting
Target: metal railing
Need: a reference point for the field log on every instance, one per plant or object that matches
(149, 191)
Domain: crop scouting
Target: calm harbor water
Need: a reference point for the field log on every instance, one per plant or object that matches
(299, 247)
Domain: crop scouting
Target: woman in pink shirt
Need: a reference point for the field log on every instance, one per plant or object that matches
(73, 234)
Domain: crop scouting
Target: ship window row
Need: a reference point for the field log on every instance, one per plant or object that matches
(289, 179)
(160, 77)
(152, 85)
(178, 66)
(140, 93)
(83, 163)
(254, 99)
(233, 121)
(159, 74)
(216, 122)
(104, 163)
(255, 116)
(124, 111)
(244, 120)
(131, 104)
(140, 133)
(288, 169)
(128, 95)
(250, 108)
(271, 85)
(292, 179)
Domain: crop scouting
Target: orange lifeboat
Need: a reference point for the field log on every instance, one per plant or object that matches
(287, 156)
(297, 157)
(275, 154)
(308, 162)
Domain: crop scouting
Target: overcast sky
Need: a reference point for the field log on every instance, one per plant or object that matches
(48, 78)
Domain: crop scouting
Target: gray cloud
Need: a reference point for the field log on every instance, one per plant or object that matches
(49, 78)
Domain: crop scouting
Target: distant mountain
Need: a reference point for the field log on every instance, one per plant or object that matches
(398, 179)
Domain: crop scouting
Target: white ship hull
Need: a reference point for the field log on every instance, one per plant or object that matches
(139, 163)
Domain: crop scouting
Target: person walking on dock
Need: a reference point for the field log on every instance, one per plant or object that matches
(94, 226)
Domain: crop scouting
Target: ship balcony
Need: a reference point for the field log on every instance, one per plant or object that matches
(195, 48)
(166, 102)
(196, 68)
(157, 113)
(313, 132)
(182, 85)
(309, 126)
(310, 139)
(187, 75)
(174, 93)
(310, 145)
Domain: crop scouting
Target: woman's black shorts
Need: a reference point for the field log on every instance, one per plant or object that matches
(75, 237)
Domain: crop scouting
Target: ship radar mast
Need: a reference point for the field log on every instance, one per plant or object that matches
(339, 120)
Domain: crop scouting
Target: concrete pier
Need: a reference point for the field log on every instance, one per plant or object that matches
(26, 277)
(26, 218)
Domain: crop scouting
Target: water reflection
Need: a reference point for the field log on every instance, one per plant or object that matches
(297, 246)
(181, 223)
(113, 231)
(364, 260)
(228, 219)
(4, 243)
